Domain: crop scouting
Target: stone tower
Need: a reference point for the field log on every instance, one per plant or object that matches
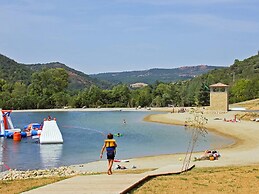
(219, 97)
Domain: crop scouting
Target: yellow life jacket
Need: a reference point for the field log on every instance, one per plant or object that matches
(110, 143)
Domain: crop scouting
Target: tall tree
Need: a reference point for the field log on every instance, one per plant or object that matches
(204, 95)
(47, 83)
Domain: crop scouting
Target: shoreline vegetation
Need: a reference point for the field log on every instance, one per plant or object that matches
(239, 154)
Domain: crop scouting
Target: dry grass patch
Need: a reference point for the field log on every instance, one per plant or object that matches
(243, 179)
(18, 186)
(249, 116)
(250, 104)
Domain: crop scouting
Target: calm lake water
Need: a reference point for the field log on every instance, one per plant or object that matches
(83, 134)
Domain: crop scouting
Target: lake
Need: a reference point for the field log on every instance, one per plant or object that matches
(84, 133)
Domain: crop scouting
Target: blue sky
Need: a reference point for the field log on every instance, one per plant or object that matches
(96, 36)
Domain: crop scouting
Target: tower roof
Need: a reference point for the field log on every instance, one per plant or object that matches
(218, 85)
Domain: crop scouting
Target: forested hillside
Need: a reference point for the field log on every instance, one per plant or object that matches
(242, 77)
(152, 75)
(11, 71)
(36, 86)
(77, 79)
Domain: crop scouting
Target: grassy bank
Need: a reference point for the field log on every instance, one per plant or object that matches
(18, 186)
(243, 179)
(236, 179)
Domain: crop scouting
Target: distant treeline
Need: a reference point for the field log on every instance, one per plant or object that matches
(48, 88)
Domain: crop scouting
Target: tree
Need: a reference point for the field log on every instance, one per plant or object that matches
(162, 95)
(238, 90)
(49, 81)
(2, 83)
(141, 97)
(94, 96)
(60, 99)
(19, 89)
(175, 97)
(46, 84)
(204, 95)
(121, 95)
(197, 125)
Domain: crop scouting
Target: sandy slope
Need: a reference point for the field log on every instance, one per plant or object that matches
(246, 134)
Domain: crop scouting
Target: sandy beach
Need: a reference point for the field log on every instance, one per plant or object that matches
(242, 152)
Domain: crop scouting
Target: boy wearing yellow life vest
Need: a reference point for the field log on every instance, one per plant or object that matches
(110, 145)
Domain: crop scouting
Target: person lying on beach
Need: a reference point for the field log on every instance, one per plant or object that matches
(208, 155)
(110, 145)
(121, 167)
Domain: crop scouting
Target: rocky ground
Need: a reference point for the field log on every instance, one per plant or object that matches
(63, 171)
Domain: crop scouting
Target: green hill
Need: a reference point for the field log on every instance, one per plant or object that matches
(45, 91)
(152, 75)
(242, 78)
(246, 69)
(77, 79)
(13, 71)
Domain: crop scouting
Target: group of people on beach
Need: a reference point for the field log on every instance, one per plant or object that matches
(208, 155)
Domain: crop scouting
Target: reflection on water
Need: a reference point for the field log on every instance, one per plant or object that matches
(1, 149)
(50, 154)
(2, 168)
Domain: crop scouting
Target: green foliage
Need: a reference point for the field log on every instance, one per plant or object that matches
(242, 78)
(49, 86)
(204, 95)
(77, 79)
(49, 81)
(12, 71)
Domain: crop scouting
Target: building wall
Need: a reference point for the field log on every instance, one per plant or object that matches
(219, 101)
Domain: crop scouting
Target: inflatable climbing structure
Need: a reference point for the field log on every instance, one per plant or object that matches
(6, 125)
(50, 133)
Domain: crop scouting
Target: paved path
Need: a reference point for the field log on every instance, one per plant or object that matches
(100, 184)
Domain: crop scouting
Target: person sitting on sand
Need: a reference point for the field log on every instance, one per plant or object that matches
(110, 145)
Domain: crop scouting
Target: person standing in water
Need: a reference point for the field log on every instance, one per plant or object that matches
(110, 145)
(124, 121)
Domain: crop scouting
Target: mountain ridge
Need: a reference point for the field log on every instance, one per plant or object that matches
(150, 76)
(80, 80)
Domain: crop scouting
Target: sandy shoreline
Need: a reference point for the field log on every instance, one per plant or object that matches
(242, 152)
(87, 109)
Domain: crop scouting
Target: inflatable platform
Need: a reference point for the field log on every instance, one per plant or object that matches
(50, 133)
